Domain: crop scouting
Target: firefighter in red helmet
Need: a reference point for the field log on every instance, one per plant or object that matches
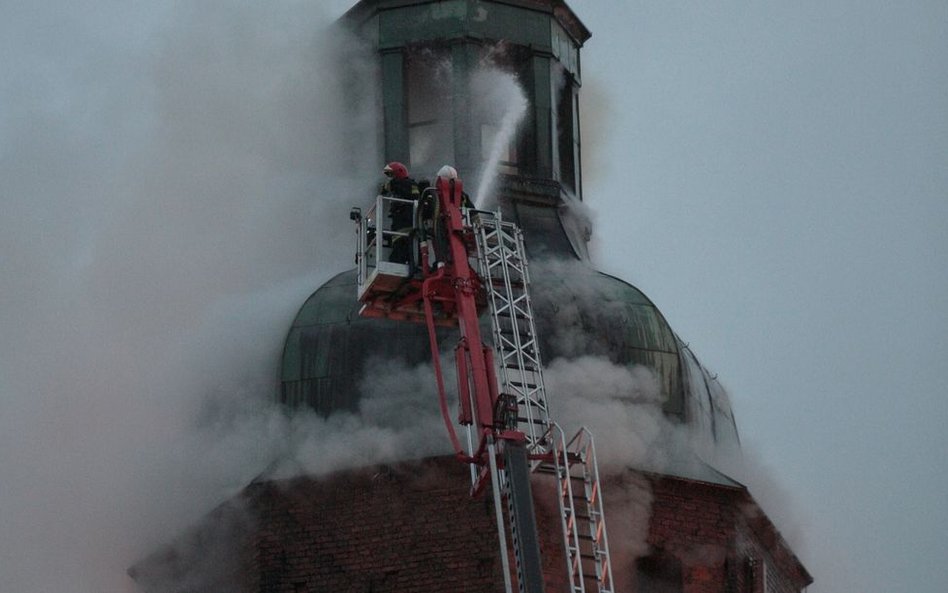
(400, 185)
(395, 170)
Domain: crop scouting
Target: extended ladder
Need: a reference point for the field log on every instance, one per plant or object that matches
(502, 265)
(581, 511)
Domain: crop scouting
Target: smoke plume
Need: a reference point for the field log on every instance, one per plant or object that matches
(398, 419)
(163, 168)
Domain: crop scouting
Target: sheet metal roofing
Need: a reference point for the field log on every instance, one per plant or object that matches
(579, 311)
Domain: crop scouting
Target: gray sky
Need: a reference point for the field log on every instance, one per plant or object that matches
(773, 175)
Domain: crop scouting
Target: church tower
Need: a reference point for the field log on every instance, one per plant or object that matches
(411, 527)
(438, 61)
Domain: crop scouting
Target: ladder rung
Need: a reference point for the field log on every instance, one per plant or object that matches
(591, 576)
(526, 367)
(549, 465)
(507, 315)
(523, 328)
(524, 331)
(549, 469)
(514, 282)
(507, 318)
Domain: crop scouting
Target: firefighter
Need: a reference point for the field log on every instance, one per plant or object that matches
(400, 185)
(449, 172)
(440, 252)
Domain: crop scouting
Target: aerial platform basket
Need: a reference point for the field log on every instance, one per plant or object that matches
(386, 261)
(394, 260)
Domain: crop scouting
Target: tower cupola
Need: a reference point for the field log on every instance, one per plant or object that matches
(429, 53)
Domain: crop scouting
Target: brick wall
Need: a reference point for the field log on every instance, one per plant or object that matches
(413, 528)
(722, 540)
(692, 523)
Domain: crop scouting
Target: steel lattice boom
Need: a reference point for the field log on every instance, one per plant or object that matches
(465, 262)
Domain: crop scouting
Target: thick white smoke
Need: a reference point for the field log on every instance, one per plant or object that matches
(162, 170)
(622, 406)
(398, 419)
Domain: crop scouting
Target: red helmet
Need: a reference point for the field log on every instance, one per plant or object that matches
(396, 170)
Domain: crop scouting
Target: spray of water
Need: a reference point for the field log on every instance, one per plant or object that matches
(500, 98)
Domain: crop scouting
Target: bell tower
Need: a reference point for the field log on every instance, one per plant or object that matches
(431, 57)
(435, 101)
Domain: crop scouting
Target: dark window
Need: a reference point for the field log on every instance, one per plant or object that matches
(566, 137)
(659, 572)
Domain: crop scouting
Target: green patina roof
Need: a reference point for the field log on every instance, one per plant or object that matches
(579, 312)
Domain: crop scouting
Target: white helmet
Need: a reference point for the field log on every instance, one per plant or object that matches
(448, 172)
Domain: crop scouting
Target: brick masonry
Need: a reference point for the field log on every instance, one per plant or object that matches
(413, 528)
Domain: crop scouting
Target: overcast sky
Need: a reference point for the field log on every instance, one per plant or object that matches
(773, 175)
